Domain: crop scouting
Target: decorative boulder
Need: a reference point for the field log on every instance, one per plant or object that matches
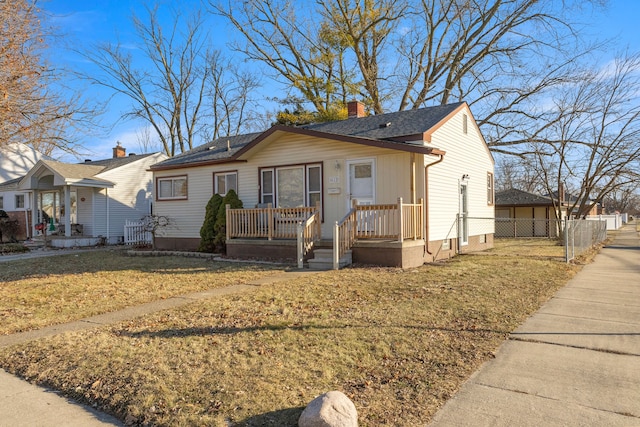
(332, 409)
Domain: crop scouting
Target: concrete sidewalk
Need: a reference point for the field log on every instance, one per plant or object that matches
(24, 404)
(576, 362)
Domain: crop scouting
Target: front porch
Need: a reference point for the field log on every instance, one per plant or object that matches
(384, 234)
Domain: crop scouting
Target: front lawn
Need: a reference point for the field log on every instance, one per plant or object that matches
(399, 343)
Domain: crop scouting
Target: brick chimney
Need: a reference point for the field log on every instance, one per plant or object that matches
(355, 109)
(119, 151)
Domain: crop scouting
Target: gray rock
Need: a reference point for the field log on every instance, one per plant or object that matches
(332, 409)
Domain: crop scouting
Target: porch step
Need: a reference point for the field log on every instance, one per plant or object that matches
(323, 259)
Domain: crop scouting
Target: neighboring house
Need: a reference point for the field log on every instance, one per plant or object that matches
(523, 214)
(352, 172)
(15, 161)
(86, 203)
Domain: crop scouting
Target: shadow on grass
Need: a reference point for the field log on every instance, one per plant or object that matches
(210, 330)
(281, 418)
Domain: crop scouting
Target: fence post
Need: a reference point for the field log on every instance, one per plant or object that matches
(401, 231)
(336, 246)
(566, 240)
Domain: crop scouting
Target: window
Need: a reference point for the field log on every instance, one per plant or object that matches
(489, 188)
(19, 201)
(266, 193)
(464, 123)
(1, 202)
(173, 188)
(225, 181)
(291, 186)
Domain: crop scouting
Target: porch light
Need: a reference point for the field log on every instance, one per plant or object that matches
(465, 177)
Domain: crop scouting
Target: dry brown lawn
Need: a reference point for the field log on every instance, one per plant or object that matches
(398, 342)
(44, 291)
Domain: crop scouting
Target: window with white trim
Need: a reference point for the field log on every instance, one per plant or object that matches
(291, 186)
(172, 188)
(225, 181)
(490, 192)
(19, 201)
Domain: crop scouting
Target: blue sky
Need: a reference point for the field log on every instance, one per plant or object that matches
(86, 23)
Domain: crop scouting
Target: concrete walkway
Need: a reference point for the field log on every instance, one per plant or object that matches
(576, 362)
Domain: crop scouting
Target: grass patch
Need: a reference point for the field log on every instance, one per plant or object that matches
(399, 343)
(44, 291)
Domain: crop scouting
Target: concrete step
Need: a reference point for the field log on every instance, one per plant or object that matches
(323, 259)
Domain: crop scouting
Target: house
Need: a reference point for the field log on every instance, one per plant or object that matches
(523, 214)
(390, 187)
(15, 161)
(88, 203)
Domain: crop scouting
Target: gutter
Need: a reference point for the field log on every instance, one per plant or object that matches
(426, 200)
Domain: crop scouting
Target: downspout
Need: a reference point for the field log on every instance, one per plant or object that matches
(426, 202)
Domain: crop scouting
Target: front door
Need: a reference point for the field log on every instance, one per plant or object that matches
(361, 181)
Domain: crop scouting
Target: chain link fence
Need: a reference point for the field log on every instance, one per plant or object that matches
(577, 235)
(527, 227)
(581, 235)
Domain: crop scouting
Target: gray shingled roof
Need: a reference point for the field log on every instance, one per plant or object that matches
(400, 124)
(515, 197)
(116, 162)
(388, 126)
(219, 149)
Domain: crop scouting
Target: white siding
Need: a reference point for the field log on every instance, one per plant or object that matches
(465, 154)
(16, 160)
(85, 211)
(129, 199)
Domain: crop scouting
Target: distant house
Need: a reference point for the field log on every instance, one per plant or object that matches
(390, 186)
(523, 214)
(82, 204)
(15, 161)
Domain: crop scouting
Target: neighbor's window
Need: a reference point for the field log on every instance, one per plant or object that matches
(490, 188)
(172, 188)
(225, 181)
(19, 201)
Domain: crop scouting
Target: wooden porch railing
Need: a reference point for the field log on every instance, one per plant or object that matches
(400, 221)
(308, 232)
(270, 223)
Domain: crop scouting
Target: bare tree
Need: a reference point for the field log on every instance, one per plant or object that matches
(35, 106)
(176, 83)
(411, 53)
(588, 141)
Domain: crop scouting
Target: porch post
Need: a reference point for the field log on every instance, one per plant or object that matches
(35, 209)
(300, 244)
(67, 211)
(336, 246)
(401, 231)
(228, 221)
(270, 221)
